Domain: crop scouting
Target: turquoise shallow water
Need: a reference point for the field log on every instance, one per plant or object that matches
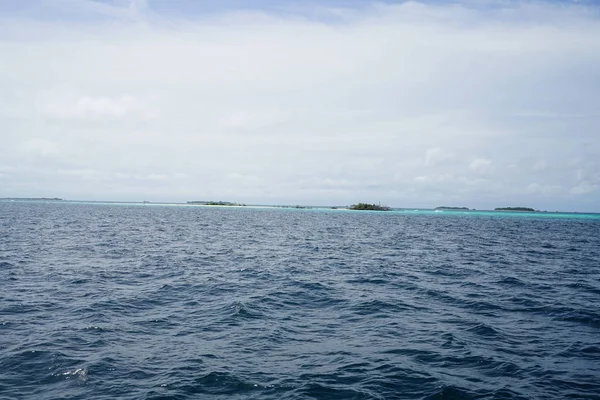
(410, 211)
(505, 214)
(174, 302)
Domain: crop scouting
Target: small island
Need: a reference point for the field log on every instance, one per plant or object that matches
(451, 208)
(514, 209)
(214, 203)
(367, 206)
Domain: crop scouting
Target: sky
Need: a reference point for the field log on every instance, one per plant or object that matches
(480, 104)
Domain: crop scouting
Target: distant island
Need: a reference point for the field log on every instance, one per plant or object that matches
(367, 206)
(513, 209)
(214, 203)
(451, 208)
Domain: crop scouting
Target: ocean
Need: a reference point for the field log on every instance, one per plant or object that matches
(117, 301)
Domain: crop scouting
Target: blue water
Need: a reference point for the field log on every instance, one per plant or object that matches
(154, 302)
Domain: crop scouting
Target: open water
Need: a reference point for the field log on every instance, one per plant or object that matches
(161, 302)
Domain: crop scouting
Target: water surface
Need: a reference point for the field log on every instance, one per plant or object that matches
(155, 302)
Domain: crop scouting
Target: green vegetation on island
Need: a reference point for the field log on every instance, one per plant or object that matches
(451, 208)
(215, 203)
(514, 209)
(367, 206)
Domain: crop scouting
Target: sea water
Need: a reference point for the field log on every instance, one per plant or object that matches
(101, 301)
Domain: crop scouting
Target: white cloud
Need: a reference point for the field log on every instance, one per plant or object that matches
(584, 188)
(437, 156)
(83, 173)
(480, 165)
(472, 181)
(254, 119)
(436, 178)
(143, 177)
(40, 147)
(540, 165)
(69, 106)
(408, 102)
(536, 188)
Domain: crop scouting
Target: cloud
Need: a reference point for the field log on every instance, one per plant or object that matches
(255, 119)
(40, 148)
(437, 156)
(584, 188)
(55, 103)
(480, 165)
(535, 188)
(81, 10)
(540, 165)
(400, 103)
(436, 178)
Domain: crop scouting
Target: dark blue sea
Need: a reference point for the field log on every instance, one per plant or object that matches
(114, 301)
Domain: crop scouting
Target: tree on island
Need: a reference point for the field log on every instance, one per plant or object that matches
(513, 209)
(451, 208)
(367, 206)
(214, 203)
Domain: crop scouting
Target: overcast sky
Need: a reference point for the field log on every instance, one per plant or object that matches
(411, 104)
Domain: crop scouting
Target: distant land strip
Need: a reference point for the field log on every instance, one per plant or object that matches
(357, 206)
(367, 206)
(215, 203)
(514, 209)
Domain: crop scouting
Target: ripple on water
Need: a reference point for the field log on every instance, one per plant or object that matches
(130, 302)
